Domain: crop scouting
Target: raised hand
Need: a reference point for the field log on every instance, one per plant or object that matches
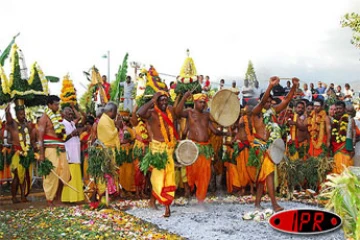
(274, 81)
(295, 81)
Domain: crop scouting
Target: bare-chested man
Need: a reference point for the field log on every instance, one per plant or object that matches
(22, 144)
(299, 132)
(51, 143)
(265, 124)
(160, 118)
(199, 173)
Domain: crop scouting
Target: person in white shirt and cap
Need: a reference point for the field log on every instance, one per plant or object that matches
(128, 93)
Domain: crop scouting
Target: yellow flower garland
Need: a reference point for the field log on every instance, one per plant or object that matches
(25, 145)
(317, 128)
(338, 127)
(172, 141)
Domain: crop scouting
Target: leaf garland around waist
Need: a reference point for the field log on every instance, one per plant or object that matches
(156, 160)
(123, 156)
(206, 150)
(26, 161)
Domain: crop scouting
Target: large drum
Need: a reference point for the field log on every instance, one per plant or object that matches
(186, 153)
(277, 150)
(225, 107)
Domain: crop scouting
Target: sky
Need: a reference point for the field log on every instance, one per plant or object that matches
(281, 37)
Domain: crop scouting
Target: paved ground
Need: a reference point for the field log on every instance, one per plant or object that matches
(222, 221)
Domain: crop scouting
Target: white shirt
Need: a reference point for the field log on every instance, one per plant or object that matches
(308, 95)
(249, 88)
(348, 92)
(128, 88)
(72, 146)
(257, 92)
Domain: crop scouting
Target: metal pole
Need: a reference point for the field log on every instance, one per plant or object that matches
(108, 57)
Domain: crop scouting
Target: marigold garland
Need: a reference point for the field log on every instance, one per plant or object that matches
(56, 120)
(25, 144)
(317, 128)
(339, 128)
(172, 141)
(249, 134)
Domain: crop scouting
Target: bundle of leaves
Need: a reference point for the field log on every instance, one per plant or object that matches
(254, 157)
(206, 150)
(315, 170)
(155, 160)
(26, 161)
(343, 194)
(182, 88)
(116, 89)
(138, 153)
(292, 174)
(123, 156)
(303, 150)
(100, 162)
(45, 168)
(292, 149)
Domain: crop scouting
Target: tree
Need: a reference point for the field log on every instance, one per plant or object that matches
(250, 73)
(352, 20)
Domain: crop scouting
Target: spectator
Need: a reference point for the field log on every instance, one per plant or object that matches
(313, 90)
(257, 89)
(321, 87)
(172, 85)
(106, 86)
(128, 93)
(347, 93)
(278, 90)
(288, 87)
(246, 91)
(332, 109)
(222, 83)
(339, 93)
(206, 86)
(234, 89)
(307, 93)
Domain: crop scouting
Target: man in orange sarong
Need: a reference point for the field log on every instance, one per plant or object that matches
(199, 173)
(160, 118)
(229, 159)
(319, 129)
(341, 142)
(266, 130)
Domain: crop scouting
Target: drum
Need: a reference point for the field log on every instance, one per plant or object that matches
(186, 153)
(225, 107)
(277, 150)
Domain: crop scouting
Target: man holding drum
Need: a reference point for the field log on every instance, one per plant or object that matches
(199, 173)
(266, 131)
(160, 118)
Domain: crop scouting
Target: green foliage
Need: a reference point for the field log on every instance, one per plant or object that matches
(25, 161)
(206, 150)
(52, 79)
(182, 88)
(156, 160)
(87, 103)
(138, 153)
(4, 98)
(292, 149)
(100, 163)
(250, 73)
(5, 54)
(292, 174)
(352, 21)
(19, 84)
(343, 194)
(122, 156)
(254, 158)
(117, 90)
(45, 168)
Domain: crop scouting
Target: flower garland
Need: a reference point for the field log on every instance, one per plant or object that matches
(172, 141)
(142, 130)
(271, 125)
(25, 145)
(339, 128)
(317, 128)
(56, 120)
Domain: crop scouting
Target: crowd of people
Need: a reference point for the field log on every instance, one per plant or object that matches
(150, 133)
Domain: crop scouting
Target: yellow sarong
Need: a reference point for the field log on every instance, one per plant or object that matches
(51, 182)
(127, 172)
(15, 165)
(341, 159)
(267, 167)
(163, 181)
(69, 195)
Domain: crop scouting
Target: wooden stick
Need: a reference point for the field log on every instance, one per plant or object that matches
(65, 183)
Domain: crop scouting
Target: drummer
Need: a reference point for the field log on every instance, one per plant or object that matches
(264, 124)
(199, 173)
